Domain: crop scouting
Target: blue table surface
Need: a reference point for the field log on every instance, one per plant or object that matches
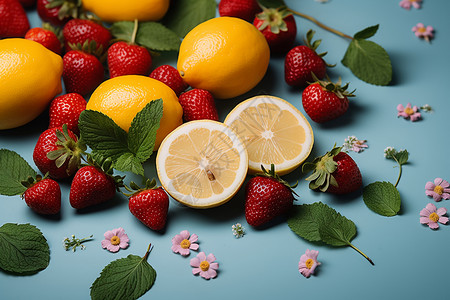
(411, 260)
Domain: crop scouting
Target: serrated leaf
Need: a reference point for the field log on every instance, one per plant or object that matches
(382, 198)
(367, 32)
(157, 37)
(272, 3)
(183, 15)
(302, 221)
(122, 30)
(338, 232)
(103, 135)
(142, 134)
(129, 162)
(13, 170)
(124, 278)
(23, 249)
(368, 61)
(402, 157)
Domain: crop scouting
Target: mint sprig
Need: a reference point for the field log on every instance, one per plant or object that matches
(319, 222)
(14, 169)
(23, 249)
(127, 150)
(124, 278)
(383, 197)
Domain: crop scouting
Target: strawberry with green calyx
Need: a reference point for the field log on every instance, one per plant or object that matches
(48, 36)
(94, 183)
(267, 196)
(278, 27)
(79, 31)
(149, 205)
(43, 195)
(301, 61)
(58, 12)
(242, 9)
(128, 58)
(58, 151)
(335, 172)
(324, 100)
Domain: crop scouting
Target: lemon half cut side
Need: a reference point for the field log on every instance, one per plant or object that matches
(274, 132)
(202, 163)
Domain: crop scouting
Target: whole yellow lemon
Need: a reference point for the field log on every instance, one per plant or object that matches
(119, 10)
(226, 56)
(122, 97)
(30, 77)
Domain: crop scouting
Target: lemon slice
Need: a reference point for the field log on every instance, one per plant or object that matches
(202, 163)
(274, 132)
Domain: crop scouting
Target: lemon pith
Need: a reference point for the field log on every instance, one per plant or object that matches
(226, 56)
(274, 132)
(202, 163)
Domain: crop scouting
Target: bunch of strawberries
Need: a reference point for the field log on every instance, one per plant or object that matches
(86, 43)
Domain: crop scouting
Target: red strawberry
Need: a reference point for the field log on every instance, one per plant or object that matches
(335, 172)
(267, 196)
(13, 19)
(171, 77)
(198, 104)
(43, 196)
(82, 72)
(80, 31)
(128, 59)
(278, 27)
(324, 101)
(46, 37)
(91, 186)
(66, 109)
(149, 205)
(57, 12)
(302, 61)
(243, 9)
(58, 152)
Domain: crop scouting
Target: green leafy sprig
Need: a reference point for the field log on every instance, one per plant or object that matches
(74, 242)
(383, 197)
(319, 222)
(23, 249)
(367, 60)
(130, 277)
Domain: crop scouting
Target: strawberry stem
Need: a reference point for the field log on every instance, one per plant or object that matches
(399, 172)
(362, 253)
(135, 29)
(320, 24)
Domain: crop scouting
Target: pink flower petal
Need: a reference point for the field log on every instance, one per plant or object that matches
(430, 186)
(431, 207)
(177, 239)
(303, 259)
(184, 235)
(109, 234)
(438, 181)
(429, 193)
(214, 266)
(105, 243)
(415, 117)
(424, 220)
(195, 271)
(184, 251)
(445, 184)
(193, 247)
(195, 262)
(123, 244)
(445, 196)
(433, 225)
(443, 220)
(210, 258)
(112, 248)
(425, 212)
(441, 211)
(211, 273)
(193, 238)
(436, 197)
(201, 256)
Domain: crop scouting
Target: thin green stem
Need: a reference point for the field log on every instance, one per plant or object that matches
(149, 249)
(135, 29)
(320, 24)
(362, 253)
(400, 171)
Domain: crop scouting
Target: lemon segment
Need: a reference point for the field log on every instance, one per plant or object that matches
(202, 164)
(226, 56)
(122, 97)
(274, 132)
(30, 77)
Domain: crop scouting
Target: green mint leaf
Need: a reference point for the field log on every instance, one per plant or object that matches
(129, 162)
(142, 134)
(13, 170)
(382, 198)
(124, 278)
(122, 30)
(303, 222)
(184, 15)
(338, 232)
(157, 37)
(23, 249)
(368, 61)
(103, 135)
(367, 32)
(272, 3)
(402, 156)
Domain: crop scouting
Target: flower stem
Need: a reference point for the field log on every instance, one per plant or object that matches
(320, 24)
(399, 172)
(149, 249)
(362, 253)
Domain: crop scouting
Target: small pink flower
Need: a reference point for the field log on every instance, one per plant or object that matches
(431, 216)
(115, 239)
(353, 144)
(308, 262)
(406, 4)
(423, 32)
(182, 243)
(408, 112)
(438, 190)
(204, 265)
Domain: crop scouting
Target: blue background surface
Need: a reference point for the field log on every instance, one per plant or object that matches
(411, 261)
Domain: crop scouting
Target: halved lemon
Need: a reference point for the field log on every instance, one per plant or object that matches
(274, 132)
(202, 163)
